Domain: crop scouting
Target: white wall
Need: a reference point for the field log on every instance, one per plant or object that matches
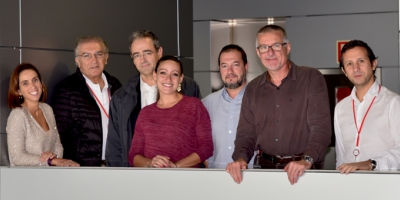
(313, 28)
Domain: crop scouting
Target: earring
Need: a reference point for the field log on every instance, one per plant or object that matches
(21, 97)
(179, 88)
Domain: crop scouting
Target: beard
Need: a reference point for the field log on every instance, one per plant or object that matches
(236, 84)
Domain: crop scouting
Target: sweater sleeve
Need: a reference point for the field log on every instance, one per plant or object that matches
(203, 133)
(58, 148)
(137, 145)
(16, 140)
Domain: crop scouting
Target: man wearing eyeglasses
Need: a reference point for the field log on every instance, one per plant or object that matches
(139, 92)
(81, 104)
(284, 115)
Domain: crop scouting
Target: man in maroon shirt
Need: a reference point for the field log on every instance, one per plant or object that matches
(285, 113)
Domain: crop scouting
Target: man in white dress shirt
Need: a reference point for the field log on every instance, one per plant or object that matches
(367, 123)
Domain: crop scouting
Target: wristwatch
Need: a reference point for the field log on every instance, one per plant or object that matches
(308, 158)
(373, 163)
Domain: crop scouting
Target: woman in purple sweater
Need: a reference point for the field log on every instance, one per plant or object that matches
(175, 131)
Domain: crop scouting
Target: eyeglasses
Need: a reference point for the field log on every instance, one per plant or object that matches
(145, 55)
(89, 56)
(274, 47)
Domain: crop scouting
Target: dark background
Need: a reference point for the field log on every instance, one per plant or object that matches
(48, 31)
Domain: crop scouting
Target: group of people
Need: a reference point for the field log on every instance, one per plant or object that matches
(279, 120)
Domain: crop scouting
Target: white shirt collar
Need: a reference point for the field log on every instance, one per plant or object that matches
(92, 85)
(144, 87)
(148, 93)
(373, 91)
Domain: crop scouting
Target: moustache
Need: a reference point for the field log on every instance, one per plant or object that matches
(231, 76)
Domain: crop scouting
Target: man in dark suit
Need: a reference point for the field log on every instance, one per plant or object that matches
(139, 92)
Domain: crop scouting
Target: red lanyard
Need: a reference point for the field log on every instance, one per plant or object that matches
(98, 101)
(356, 151)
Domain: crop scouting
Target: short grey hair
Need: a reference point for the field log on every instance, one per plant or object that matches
(271, 28)
(144, 34)
(90, 38)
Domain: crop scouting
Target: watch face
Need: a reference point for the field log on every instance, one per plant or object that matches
(308, 158)
(373, 163)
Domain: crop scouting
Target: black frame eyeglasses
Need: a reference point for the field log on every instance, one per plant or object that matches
(274, 47)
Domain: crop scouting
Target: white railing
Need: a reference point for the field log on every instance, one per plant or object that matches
(190, 184)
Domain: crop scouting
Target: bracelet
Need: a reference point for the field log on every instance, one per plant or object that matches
(49, 161)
